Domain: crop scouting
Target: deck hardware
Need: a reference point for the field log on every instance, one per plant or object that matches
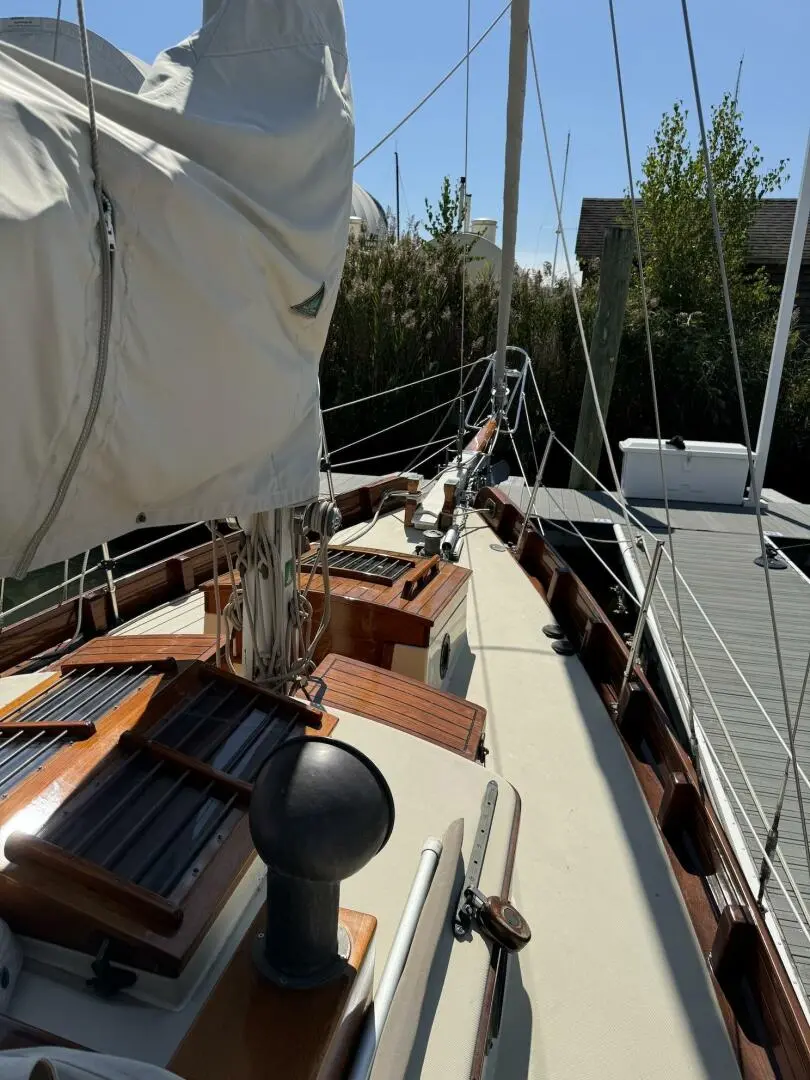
(553, 630)
(444, 657)
(775, 562)
(108, 565)
(495, 918)
(108, 980)
(464, 910)
(641, 622)
(563, 646)
(499, 920)
(320, 811)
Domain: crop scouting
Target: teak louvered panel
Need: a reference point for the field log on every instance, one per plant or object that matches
(401, 702)
(146, 852)
(77, 700)
(52, 762)
(363, 564)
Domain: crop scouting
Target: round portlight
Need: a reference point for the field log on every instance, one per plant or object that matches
(444, 656)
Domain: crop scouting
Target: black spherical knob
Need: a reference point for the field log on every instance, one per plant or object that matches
(320, 810)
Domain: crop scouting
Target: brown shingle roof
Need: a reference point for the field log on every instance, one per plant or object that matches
(768, 241)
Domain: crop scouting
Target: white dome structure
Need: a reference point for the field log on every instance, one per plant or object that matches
(109, 64)
(373, 219)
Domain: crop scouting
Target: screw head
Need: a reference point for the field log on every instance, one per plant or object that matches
(140, 518)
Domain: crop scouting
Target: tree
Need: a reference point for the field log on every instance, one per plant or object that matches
(447, 217)
(675, 216)
(683, 282)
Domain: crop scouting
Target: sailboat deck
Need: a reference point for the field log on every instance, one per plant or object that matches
(591, 875)
(613, 983)
(715, 548)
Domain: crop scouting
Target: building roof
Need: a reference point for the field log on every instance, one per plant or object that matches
(768, 241)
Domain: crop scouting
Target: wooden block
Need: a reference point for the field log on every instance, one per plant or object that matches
(734, 940)
(249, 1029)
(679, 802)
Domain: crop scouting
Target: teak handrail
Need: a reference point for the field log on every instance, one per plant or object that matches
(131, 740)
(417, 578)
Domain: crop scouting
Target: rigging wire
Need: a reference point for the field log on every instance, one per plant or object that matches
(786, 775)
(327, 460)
(369, 525)
(390, 453)
(57, 28)
(449, 412)
(433, 454)
(407, 420)
(572, 285)
(755, 495)
(738, 761)
(404, 386)
(745, 777)
(562, 200)
(653, 385)
(640, 524)
(581, 536)
(460, 437)
(435, 89)
(627, 543)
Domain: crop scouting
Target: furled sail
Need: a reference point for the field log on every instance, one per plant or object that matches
(230, 178)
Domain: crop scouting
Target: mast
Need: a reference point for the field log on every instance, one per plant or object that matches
(782, 328)
(518, 45)
(396, 171)
(737, 84)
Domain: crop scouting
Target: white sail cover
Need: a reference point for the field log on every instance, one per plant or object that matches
(60, 1063)
(230, 175)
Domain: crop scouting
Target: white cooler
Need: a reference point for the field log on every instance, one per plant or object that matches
(711, 472)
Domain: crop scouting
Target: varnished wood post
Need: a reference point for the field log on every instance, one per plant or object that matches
(614, 284)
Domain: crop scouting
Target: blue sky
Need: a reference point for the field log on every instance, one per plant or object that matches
(398, 52)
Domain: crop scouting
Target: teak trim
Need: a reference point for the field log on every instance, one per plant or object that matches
(25, 850)
(158, 583)
(135, 594)
(686, 818)
(247, 1022)
(417, 578)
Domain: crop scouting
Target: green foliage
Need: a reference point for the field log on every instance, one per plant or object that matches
(688, 318)
(447, 217)
(398, 318)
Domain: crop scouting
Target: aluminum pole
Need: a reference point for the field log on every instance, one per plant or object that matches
(783, 321)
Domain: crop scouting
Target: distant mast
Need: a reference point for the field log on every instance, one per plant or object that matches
(518, 49)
